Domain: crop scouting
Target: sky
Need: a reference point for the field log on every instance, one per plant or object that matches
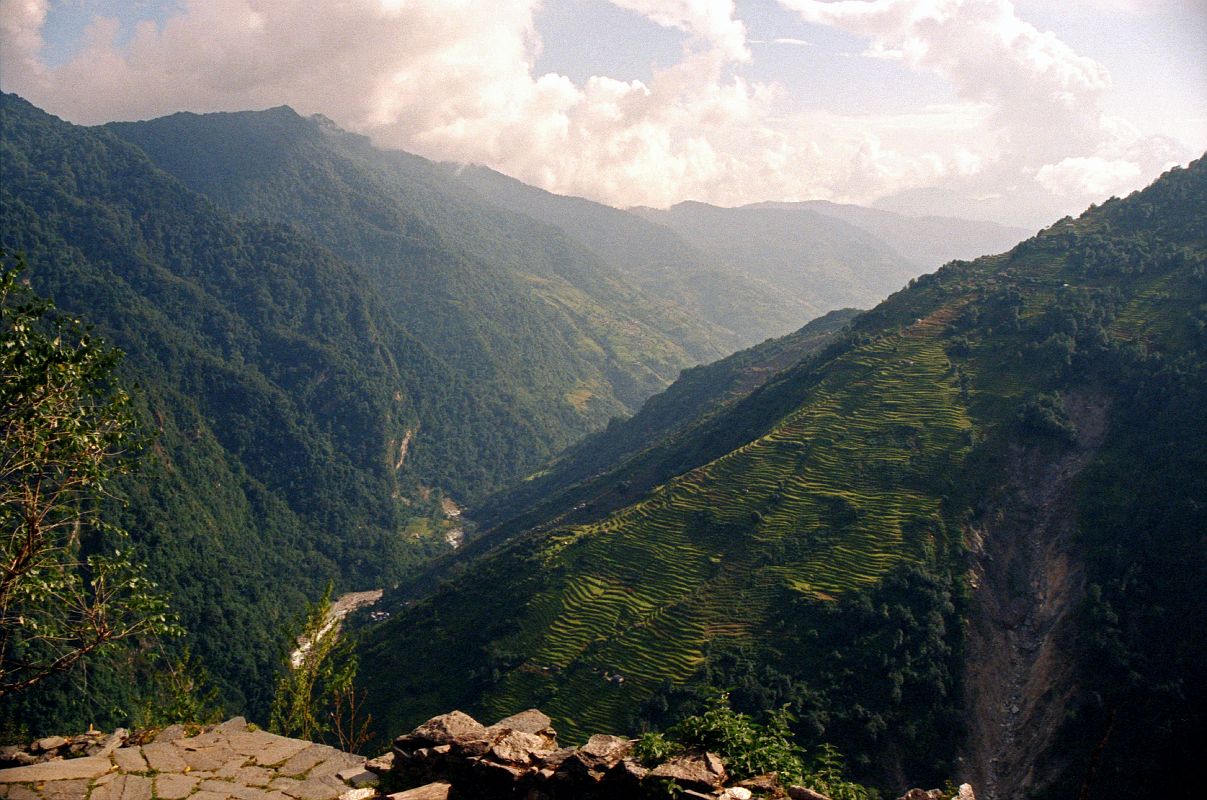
(1018, 112)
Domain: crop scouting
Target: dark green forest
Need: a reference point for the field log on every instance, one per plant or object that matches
(268, 378)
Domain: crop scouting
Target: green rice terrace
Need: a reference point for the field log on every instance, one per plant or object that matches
(869, 471)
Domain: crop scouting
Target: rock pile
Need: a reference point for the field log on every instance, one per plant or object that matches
(455, 757)
(52, 748)
(449, 757)
(963, 793)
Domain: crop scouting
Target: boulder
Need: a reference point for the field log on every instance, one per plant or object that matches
(965, 792)
(381, 765)
(445, 729)
(531, 721)
(518, 747)
(805, 793)
(596, 757)
(693, 771)
(48, 744)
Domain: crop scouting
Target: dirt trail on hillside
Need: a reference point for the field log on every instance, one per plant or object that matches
(1026, 585)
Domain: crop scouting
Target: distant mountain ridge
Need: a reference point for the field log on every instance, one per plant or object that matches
(753, 269)
(928, 241)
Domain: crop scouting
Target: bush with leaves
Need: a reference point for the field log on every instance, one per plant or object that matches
(750, 748)
(316, 696)
(70, 587)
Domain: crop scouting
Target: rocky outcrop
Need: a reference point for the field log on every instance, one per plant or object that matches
(455, 757)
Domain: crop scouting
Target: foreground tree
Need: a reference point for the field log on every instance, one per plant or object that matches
(316, 695)
(69, 586)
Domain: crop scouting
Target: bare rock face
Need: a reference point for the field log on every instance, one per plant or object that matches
(445, 729)
(693, 771)
(532, 722)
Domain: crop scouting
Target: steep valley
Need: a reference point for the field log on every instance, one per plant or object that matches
(959, 535)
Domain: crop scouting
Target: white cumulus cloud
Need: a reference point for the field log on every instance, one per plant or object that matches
(456, 80)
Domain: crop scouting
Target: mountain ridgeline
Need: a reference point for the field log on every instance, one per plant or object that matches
(951, 534)
(326, 338)
(952, 540)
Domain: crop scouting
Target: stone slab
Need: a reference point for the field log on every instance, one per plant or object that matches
(18, 792)
(173, 786)
(66, 790)
(336, 762)
(61, 770)
(248, 776)
(129, 759)
(267, 749)
(432, 791)
(211, 758)
(164, 757)
(326, 788)
(170, 734)
(235, 790)
(305, 760)
(135, 787)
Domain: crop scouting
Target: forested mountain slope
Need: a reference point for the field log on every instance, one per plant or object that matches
(278, 389)
(520, 312)
(656, 259)
(822, 558)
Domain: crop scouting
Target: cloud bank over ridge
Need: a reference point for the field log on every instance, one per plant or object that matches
(455, 80)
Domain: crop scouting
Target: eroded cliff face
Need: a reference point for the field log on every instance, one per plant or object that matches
(1027, 583)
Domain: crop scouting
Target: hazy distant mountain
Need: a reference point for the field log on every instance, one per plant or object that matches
(814, 258)
(929, 242)
(655, 259)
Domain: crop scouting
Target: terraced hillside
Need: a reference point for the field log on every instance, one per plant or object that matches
(586, 473)
(825, 549)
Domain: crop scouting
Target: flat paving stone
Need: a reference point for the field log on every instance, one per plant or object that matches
(66, 790)
(135, 787)
(226, 762)
(306, 760)
(325, 788)
(173, 786)
(129, 759)
(336, 762)
(164, 757)
(248, 776)
(61, 770)
(235, 790)
(267, 749)
(211, 758)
